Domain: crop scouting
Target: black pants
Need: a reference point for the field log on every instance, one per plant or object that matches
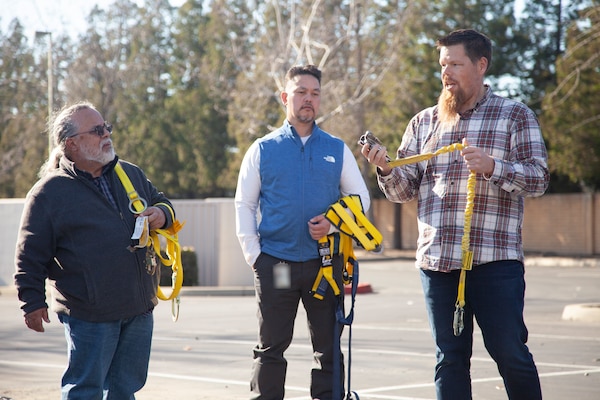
(277, 309)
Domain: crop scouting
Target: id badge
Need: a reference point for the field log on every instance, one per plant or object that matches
(141, 232)
(282, 276)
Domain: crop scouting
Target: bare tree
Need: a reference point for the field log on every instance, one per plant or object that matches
(352, 42)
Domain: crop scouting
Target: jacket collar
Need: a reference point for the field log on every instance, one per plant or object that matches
(69, 166)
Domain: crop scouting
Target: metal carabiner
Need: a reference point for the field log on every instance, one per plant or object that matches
(175, 308)
(459, 320)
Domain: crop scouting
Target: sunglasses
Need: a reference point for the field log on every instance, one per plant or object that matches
(98, 130)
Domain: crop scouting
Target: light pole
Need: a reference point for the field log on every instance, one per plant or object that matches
(39, 34)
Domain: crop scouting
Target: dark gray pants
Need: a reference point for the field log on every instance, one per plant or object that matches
(277, 309)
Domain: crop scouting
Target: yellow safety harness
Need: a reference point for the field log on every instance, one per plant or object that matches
(151, 239)
(467, 253)
(348, 217)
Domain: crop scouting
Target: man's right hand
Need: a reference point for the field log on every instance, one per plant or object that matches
(35, 319)
(377, 155)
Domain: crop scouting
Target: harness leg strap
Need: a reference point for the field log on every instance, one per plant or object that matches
(325, 275)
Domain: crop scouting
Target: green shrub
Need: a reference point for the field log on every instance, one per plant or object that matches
(190, 269)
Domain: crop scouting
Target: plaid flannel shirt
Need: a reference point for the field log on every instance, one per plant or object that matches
(506, 130)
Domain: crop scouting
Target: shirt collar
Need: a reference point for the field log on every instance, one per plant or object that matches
(291, 128)
(105, 170)
(467, 114)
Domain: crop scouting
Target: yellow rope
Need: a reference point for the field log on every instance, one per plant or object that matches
(467, 253)
(425, 156)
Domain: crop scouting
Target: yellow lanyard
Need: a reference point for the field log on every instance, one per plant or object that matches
(173, 249)
(467, 257)
(467, 253)
(136, 203)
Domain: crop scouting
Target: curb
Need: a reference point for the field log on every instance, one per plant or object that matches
(217, 291)
(562, 262)
(589, 312)
(360, 288)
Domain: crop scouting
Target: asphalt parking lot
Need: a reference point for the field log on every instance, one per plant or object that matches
(207, 353)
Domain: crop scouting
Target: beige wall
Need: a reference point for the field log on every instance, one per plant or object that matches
(596, 219)
(209, 230)
(554, 224)
(560, 224)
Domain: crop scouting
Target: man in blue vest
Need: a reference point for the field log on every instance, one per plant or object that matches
(290, 177)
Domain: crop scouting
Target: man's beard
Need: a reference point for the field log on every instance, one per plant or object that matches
(98, 154)
(448, 105)
(306, 118)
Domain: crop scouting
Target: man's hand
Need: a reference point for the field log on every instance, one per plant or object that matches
(34, 320)
(318, 227)
(377, 155)
(156, 217)
(477, 160)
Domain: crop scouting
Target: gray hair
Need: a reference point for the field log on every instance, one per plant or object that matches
(61, 127)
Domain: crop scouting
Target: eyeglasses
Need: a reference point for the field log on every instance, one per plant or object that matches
(98, 130)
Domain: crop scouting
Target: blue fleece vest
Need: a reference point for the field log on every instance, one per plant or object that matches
(298, 182)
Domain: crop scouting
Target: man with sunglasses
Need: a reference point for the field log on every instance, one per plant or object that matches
(76, 231)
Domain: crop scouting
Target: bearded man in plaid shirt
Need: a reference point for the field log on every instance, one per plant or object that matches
(502, 144)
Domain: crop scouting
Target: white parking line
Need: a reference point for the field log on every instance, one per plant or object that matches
(31, 364)
(371, 393)
(477, 332)
(222, 381)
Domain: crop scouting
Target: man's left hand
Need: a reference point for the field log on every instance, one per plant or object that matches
(156, 217)
(477, 160)
(318, 227)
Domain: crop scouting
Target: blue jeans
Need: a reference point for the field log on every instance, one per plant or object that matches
(107, 360)
(494, 295)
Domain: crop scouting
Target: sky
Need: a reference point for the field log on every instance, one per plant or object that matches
(56, 16)
(62, 16)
